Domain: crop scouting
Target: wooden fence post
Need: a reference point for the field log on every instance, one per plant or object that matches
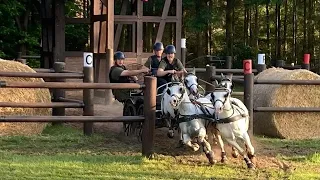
(58, 93)
(108, 92)
(150, 93)
(19, 58)
(228, 64)
(88, 94)
(210, 73)
(248, 91)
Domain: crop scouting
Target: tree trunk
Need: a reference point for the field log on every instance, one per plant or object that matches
(245, 25)
(294, 31)
(285, 29)
(278, 22)
(305, 26)
(311, 28)
(256, 29)
(229, 9)
(268, 30)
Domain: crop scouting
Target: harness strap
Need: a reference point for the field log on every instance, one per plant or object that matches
(187, 118)
(230, 119)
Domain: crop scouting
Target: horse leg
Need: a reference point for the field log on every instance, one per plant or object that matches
(207, 150)
(235, 153)
(250, 148)
(221, 144)
(233, 143)
(187, 141)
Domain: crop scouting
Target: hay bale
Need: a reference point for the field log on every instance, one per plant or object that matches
(22, 95)
(289, 125)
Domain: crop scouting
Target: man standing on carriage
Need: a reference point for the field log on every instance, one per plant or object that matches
(120, 74)
(154, 61)
(169, 66)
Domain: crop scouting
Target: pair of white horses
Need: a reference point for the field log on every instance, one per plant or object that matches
(217, 112)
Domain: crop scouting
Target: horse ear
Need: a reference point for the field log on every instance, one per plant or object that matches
(217, 83)
(222, 76)
(193, 71)
(229, 77)
(182, 78)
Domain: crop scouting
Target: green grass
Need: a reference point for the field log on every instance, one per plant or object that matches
(64, 153)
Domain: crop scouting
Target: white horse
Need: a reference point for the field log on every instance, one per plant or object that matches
(190, 81)
(232, 122)
(191, 120)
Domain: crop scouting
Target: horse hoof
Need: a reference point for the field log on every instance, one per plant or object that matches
(224, 159)
(170, 135)
(251, 156)
(250, 166)
(235, 155)
(180, 144)
(196, 147)
(212, 161)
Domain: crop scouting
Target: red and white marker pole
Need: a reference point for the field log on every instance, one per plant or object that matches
(248, 90)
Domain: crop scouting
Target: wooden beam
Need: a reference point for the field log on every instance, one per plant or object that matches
(178, 27)
(163, 20)
(59, 31)
(109, 48)
(119, 26)
(47, 34)
(139, 30)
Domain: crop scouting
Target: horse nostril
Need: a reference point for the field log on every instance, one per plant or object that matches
(174, 101)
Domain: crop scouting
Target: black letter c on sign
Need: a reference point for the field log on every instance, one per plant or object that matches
(89, 59)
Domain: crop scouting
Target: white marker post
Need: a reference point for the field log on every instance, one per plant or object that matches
(87, 59)
(183, 51)
(88, 109)
(261, 66)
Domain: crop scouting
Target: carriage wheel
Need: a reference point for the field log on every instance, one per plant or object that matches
(140, 112)
(128, 110)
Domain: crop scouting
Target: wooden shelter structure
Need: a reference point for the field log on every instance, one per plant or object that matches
(106, 28)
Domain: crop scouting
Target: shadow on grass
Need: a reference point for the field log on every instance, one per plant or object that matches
(66, 140)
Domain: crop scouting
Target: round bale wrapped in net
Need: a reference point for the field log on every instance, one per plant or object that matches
(22, 95)
(288, 125)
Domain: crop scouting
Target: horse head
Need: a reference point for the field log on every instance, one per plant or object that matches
(220, 99)
(191, 82)
(177, 92)
(226, 82)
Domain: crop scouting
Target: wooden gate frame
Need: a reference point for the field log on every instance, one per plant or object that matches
(103, 40)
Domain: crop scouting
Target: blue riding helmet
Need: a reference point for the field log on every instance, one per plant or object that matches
(158, 46)
(170, 49)
(118, 55)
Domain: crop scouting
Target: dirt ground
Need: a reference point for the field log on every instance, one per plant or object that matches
(265, 156)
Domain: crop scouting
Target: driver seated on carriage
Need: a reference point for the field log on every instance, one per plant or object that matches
(169, 66)
(120, 74)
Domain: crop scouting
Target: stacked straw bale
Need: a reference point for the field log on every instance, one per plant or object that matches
(291, 125)
(22, 95)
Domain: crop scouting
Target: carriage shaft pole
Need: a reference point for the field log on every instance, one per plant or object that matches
(150, 93)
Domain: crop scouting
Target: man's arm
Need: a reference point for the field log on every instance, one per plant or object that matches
(148, 63)
(134, 72)
(161, 70)
(180, 67)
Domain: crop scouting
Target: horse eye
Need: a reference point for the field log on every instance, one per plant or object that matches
(226, 95)
(186, 80)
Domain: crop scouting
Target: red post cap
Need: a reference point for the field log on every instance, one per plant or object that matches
(247, 66)
(306, 59)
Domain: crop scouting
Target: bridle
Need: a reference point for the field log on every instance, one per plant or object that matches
(218, 100)
(193, 84)
(179, 99)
